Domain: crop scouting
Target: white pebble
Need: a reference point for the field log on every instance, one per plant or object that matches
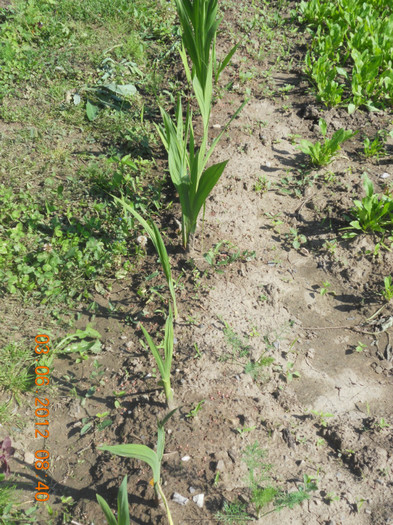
(199, 499)
(178, 498)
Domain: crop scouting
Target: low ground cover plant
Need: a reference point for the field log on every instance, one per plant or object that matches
(372, 214)
(322, 153)
(348, 60)
(263, 493)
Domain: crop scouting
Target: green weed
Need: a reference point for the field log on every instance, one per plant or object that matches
(348, 60)
(218, 257)
(123, 515)
(387, 292)
(187, 163)
(374, 213)
(149, 456)
(155, 236)
(320, 153)
(17, 369)
(164, 365)
(194, 411)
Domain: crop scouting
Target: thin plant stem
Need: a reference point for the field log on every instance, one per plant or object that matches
(168, 512)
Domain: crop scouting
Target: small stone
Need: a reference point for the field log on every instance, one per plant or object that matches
(29, 458)
(268, 164)
(385, 175)
(185, 458)
(368, 511)
(220, 465)
(217, 126)
(378, 369)
(310, 353)
(199, 500)
(191, 490)
(178, 498)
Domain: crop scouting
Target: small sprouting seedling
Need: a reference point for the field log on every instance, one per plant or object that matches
(198, 353)
(376, 147)
(155, 236)
(330, 497)
(164, 364)
(297, 239)
(217, 257)
(257, 369)
(293, 138)
(233, 513)
(239, 347)
(322, 153)
(374, 213)
(194, 411)
(322, 417)
(388, 291)
(262, 185)
(325, 289)
(123, 515)
(244, 430)
(117, 403)
(216, 479)
(381, 424)
(276, 222)
(146, 454)
(290, 372)
(360, 347)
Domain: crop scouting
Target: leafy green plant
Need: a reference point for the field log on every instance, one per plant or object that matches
(164, 365)
(374, 213)
(387, 292)
(240, 348)
(257, 368)
(322, 153)
(297, 239)
(194, 411)
(149, 456)
(217, 256)
(263, 493)
(155, 236)
(326, 289)
(360, 347)
(348, 60)
(123, 515)
(322, 416)
(187, 163)
(290, 373)
(81, 341)
(374, 148)
(199, 24)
